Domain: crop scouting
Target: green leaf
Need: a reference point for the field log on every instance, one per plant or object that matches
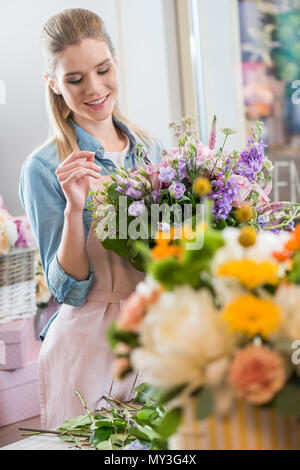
(114, 336)
(105, 423)
(104, 445)
(100, 435)
(170, 422)
(146, 415)
(204, 403)
(287, 401)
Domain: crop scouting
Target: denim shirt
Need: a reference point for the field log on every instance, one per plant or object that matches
(44, 203)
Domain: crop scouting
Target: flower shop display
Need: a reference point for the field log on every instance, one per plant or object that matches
(135, 203)
(216, 331)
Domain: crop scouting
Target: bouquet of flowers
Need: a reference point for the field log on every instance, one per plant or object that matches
(135, 203)
(218, 323)
(14, 231)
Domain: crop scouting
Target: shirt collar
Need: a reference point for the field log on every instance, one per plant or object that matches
(87, 142)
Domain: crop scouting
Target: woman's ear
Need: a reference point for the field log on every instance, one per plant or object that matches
(52, 84)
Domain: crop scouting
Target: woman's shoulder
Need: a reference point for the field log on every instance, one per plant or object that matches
(45, 155)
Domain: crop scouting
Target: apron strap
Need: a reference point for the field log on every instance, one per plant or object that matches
(107, 296)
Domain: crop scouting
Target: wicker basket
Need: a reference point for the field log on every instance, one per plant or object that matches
(17, 284)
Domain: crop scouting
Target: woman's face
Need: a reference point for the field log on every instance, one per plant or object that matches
(86, 73)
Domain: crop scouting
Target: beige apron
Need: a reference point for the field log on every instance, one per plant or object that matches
(75, 354)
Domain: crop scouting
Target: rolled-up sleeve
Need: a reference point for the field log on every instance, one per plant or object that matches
(44, 204)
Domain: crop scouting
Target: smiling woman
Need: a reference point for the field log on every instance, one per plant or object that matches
(91, 136)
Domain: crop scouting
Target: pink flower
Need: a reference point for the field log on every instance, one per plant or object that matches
(263, 198)
(121, 365)
(132, 312)
(245, 188)
(25, 237)
(203, 152)
(174, 153)
(153, 172)
(257, 374)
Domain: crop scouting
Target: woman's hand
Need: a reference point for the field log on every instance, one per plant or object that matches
(73, 175)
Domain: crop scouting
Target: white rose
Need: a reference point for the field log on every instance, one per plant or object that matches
(182, 332)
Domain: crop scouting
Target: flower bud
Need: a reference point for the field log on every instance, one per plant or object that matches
(247, 236)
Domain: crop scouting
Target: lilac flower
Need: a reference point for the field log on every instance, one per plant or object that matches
(167, 175)
(136, 208)
(137, 445)
(136, 193)
(263, 219)
(177, 190)
(251, 160)
(121, 190)
(223, 194)
(156, 194)
(182, 169)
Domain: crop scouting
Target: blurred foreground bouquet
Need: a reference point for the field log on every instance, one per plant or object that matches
(217, 318)
(135, 203)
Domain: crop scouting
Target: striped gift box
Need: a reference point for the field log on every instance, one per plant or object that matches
(245, 428)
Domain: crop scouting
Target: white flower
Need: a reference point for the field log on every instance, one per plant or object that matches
(147, 286)
(12, 232)
(181, 334)
(266, 243)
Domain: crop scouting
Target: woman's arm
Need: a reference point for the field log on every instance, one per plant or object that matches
(45, 204)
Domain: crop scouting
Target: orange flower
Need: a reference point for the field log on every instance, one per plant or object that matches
(293, 243)
(165, 251)
(257, 374)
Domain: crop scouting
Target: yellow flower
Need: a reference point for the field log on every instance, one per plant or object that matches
(244, 214)
(247, 236)
(253, 316)
(202, 186)
(251, 274)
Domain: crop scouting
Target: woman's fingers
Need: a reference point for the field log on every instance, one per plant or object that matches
(78, 155)
(74, 175)
(77, 164)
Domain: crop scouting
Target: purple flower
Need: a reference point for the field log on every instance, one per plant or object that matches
(250, 161)
(177, 190)
(156, 194)
(136, 193)
(121, 190)
(136, 208)
(223, 195)
(182, 168)
(136, 445)
(167, 175)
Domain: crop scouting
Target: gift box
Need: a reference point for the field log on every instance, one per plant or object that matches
(19, 391)
(17, 338)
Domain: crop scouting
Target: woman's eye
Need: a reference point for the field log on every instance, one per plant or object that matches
(75, 82)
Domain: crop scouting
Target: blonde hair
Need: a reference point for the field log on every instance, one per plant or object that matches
(66, 28)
